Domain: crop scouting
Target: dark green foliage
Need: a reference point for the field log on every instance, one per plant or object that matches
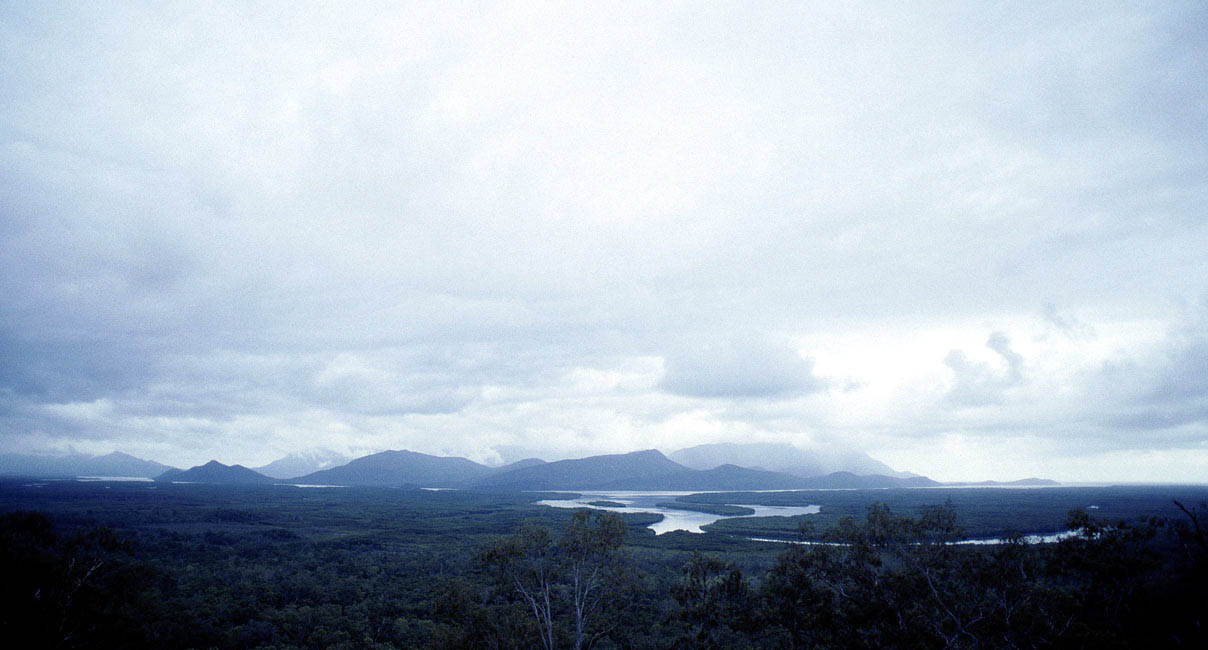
(984, 512)
(717, 606)
(896, 582)
(573, 586)
(74, 591)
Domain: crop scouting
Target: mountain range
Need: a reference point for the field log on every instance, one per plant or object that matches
(641, 470)
(74, 464)
(651, 470)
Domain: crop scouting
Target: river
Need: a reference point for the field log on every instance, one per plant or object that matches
(646, 501)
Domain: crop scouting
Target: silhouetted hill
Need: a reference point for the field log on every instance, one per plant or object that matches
(215, 472)
(593, 472)
(73, 465)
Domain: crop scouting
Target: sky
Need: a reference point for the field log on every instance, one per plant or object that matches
(970, 239)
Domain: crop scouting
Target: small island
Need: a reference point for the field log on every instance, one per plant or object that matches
(606, 504)
(709, 508)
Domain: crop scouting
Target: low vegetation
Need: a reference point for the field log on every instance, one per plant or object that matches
(709, 508)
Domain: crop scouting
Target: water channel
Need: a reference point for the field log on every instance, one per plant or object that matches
(673, 519)
(693, 522)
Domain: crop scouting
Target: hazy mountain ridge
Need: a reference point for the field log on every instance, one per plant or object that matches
(303, 462)
(1023, 482)
(72, 465)
(784, 458)
(850, 481)
(725, 477)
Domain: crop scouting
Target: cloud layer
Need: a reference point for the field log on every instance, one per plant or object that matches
(949, 235)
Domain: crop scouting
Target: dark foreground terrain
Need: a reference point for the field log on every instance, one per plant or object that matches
(134, 565)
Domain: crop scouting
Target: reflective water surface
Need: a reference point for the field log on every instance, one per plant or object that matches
(1026, 539)
(647, 501)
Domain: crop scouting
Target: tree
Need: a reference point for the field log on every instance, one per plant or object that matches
(715, 603)
(65, 591)
(527, 562)
(1191, 592)
(589, 549)
(888, 581)
(577, 576)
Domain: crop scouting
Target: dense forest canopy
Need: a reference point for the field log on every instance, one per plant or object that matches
(190, 566)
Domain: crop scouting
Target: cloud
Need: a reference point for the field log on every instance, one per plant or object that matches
(735, 367)
(251, 230)
(983, 383)
(1164, 397)
(383, 386)
(1067, 325)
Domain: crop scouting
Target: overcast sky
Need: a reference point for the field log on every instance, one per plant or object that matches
(970, 239)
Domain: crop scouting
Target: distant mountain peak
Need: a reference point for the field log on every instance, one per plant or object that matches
(400, 467)
(215, 472)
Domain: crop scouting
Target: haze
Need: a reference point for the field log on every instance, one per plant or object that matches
(968, 238)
